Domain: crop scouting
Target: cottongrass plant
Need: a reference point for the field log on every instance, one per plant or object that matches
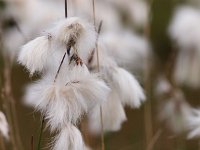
(64, 95)
(175, 112)
(186, 21)
(121, 83)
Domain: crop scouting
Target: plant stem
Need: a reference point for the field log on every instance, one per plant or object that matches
(148, 85)
(61, 63)
(10, 105)
(32, 142)
(2, 144)
(66, 13)
(98, 68)
(40, 135)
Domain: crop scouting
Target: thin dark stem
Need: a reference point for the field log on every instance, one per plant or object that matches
(32, 143)
(100, 27)
(41, 133)
(93, 10)
(66, 14)
(61, 63)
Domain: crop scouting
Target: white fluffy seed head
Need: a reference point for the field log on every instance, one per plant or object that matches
(77, 32)
(186, 21)
(130, 91)
(35, 53)
(193, 124)
(4, 129)
(69, 138)
(113, 115)
(175, 113)
(69, 98)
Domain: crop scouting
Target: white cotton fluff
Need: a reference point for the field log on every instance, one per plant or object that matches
(162, 86)
(69, 98)
(175, 113)
(129, 52)
(185, 30)
(185, 26)
(187, 69)
(32, 16)
(4, 128)
(82, 32)
(69, 138)
(113, 115)
(130, 91)
(193, 122)
(139, 12)
(12, 40)
(35, 53)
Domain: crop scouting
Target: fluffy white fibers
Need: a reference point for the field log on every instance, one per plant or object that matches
(129, 52)
(113, 115)
(130, 91)
(35, 53)
(69, 138)
(193, 124)
(175, 113)
(77, 33)
(73, 34)
(69, 98)
(4, 129)
(186, 21)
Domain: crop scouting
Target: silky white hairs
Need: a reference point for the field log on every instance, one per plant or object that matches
(4, 128)
(186, 21)
(125, 91)
(34, 54)
(66, 35)
(64, 95)
(69, 138)
(113, 115)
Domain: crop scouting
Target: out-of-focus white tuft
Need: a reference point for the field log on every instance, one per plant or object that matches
(31, 16)
(139, 12)
(69, 138)
(130, 52)
(12, 40)
(35, 53)
(4, 128)
(162, 86)
(125, 90)
(136, 10)
(193, 124)
(113, 115)
(175, 113)
(186, 21)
